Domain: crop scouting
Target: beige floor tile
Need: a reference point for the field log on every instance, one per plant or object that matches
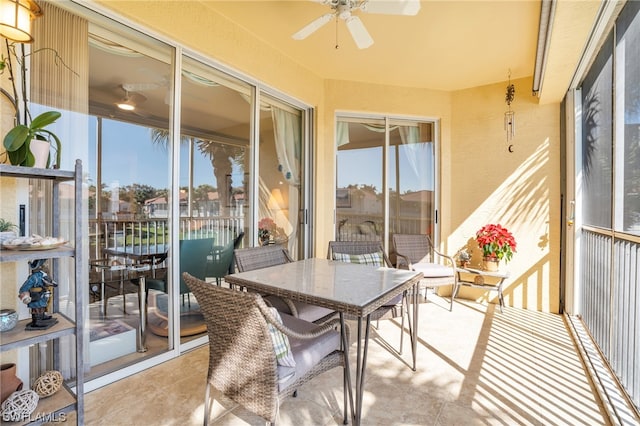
(475, 366)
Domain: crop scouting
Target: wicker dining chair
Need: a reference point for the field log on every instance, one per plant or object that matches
(251, 258)
(243, 363)
(416, 252)
(351, 251)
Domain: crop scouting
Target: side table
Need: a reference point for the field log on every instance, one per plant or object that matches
(477, 278)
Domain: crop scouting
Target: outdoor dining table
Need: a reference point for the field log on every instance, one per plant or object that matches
(351, 289)
(138, 254)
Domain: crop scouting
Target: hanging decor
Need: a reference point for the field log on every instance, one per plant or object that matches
(510, 116)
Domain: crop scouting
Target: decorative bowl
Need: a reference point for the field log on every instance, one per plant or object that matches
(8, 319)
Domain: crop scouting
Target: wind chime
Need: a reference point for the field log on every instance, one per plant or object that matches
(510, 116)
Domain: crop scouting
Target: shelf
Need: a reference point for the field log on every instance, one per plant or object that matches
(54, 408)
(18, 336)
(7, 255)
(36, 173)
(50, 410)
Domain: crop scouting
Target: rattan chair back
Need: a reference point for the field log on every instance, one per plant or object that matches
(415, 247)
(250, 258)
(242, 359)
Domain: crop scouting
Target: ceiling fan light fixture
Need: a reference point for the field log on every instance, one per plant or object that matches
(127, 103)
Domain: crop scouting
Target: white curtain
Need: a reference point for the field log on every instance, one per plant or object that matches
(410, 137)
(342, 133)
(286, 129)
(287, 136)
(65, 88)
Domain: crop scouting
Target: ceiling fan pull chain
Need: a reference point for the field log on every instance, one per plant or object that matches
(337, 46)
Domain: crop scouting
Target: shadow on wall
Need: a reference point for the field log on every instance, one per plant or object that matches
(522, 203)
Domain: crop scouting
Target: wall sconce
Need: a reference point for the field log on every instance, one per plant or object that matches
(510, 116)
(16, 17)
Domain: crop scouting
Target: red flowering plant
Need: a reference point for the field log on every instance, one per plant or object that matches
(496, 242)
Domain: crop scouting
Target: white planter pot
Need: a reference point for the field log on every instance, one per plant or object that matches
(40, 150)
(7, 236)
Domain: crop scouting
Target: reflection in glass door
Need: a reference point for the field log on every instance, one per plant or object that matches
(365, 149)
(411, 178)
(359, 193)
(280, 176)
(215, 133)
(129, 189)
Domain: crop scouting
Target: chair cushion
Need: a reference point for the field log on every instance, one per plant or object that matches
(306, 311)
(280, 341)
(433, 270)
(395, 301)
(373, 259)
(306, 352)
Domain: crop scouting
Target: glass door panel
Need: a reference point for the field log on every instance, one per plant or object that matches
(214, 154)
(359, 192)
(411, 178)
(366, 148)
(280, 183)
(129, 184)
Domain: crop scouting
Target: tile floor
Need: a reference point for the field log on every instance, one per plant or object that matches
(476, 366)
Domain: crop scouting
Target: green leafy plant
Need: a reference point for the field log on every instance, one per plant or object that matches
(18, 140)
(5, 225)
(496, 242)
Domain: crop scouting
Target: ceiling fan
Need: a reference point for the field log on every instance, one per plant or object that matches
(343, 9)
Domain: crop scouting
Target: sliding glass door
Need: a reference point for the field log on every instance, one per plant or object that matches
(385, 177)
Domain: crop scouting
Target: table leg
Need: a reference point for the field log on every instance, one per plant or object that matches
(347, 369)
(361, 365)
(414, 329)
(103, 296)
(142, 306)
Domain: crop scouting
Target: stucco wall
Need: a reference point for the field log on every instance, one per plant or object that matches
(519, 190)
(481, 182)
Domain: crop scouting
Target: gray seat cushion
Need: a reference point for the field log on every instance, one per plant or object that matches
(306, 352)
(306, 311)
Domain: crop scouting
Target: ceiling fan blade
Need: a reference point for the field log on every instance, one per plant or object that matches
(359, 32)
(312, 27)
(139, 87)
(391, 7)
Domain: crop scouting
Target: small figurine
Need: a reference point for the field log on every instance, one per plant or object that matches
(464, 257)
(35, 293)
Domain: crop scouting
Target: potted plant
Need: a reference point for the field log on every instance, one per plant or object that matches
(7, 230)
(28, 143)
(497, 243)
(18, 142)
(266, 230)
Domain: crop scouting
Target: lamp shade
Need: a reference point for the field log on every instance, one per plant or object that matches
(16, 17)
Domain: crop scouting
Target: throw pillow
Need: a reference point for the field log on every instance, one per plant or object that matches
(281, 344)
(373, 259)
